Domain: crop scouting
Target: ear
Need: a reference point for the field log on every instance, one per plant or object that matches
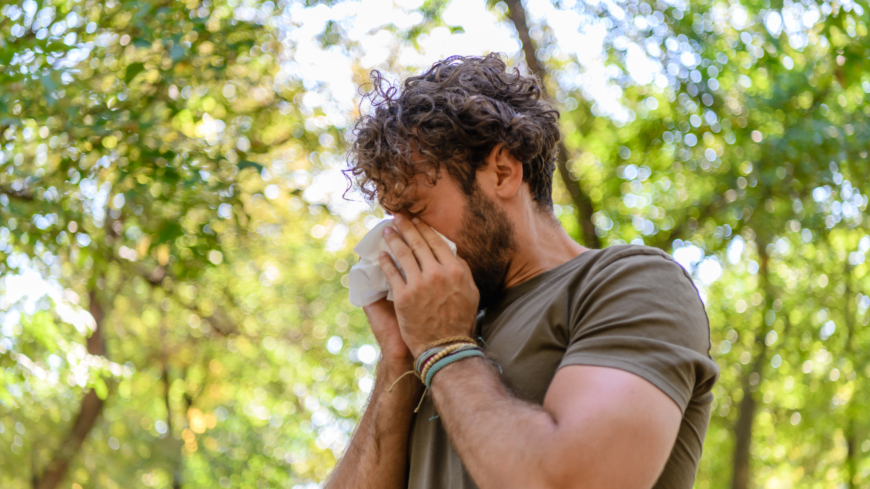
(502, 174)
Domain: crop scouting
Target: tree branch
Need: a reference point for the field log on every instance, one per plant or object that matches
(90, 410)
(17, 194)
(683, 231)
(582, 202)
(219, 319)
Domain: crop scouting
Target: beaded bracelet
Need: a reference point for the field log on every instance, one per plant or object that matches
(444, 357)
(438, 356)
(456, 348)
(443, 362)
(434, 349)
(464, 347)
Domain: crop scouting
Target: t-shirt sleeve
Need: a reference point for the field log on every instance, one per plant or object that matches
(642, 314)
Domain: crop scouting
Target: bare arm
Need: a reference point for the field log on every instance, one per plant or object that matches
(598, 428)
(377, 455)
(378, 452)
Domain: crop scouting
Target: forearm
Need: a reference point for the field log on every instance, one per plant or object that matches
(377, 455)
(502, 441)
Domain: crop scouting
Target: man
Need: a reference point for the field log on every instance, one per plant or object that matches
(598, 373)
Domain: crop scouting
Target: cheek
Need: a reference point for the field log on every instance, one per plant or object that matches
(447, 222)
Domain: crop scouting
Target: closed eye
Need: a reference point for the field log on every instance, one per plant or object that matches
(419, 212)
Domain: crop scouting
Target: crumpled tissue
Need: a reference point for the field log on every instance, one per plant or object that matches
(366, 282)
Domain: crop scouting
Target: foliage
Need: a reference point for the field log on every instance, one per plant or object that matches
(161, 180)
(136, 137)
(754, 153)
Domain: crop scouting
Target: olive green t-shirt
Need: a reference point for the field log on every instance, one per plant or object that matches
(626, 307)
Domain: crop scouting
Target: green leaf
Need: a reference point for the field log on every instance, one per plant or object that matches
(101, 388)
(177, 52)
(50, 86)
(250, 164)
(133, 70)
(48, 83)
(170, 231)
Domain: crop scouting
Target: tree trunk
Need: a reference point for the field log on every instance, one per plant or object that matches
(176, 471)
(742, 474)
(852, 455)
(743, 429)
(90, 410)
(852, 411)
(581, 201)
(743, 438)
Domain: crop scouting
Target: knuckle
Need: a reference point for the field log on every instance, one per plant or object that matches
(402, 252)
(417, 243)
(405, 292)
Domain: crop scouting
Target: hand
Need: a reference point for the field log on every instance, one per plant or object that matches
(439, 298)
(385, 327)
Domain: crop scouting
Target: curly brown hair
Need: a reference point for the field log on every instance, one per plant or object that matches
(454, 114)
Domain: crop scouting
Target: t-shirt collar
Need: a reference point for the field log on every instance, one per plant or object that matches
(517, 291)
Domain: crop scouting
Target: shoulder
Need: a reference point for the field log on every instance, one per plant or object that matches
(643, 286)
(639, 310)
(624, 269)
(623, 254)
(637, 264)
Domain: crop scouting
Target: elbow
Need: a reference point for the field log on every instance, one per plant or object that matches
(558, 465)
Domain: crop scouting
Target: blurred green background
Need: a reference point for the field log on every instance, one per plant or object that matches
(174, 243)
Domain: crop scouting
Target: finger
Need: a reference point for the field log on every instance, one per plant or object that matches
(438, 246)
(392, 274)
(465, 265)
(418, 244)
(403, 253)
(379, 305)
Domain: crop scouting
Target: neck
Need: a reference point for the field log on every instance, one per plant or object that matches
(542, 244)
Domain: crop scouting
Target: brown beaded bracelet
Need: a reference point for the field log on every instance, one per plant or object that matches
(438, 356)
(451, 339)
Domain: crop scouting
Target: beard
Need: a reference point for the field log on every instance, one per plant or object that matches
(488, 245)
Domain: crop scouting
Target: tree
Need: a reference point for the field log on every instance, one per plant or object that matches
(752, 151)
(579, 198)
(134, 143)
(165, 171)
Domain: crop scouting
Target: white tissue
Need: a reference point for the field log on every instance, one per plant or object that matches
(366, 282)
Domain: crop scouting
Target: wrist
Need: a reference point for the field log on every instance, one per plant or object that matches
(394, 367)
(460, 367)
(395, 357)
(397, 387)
(389, 375)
